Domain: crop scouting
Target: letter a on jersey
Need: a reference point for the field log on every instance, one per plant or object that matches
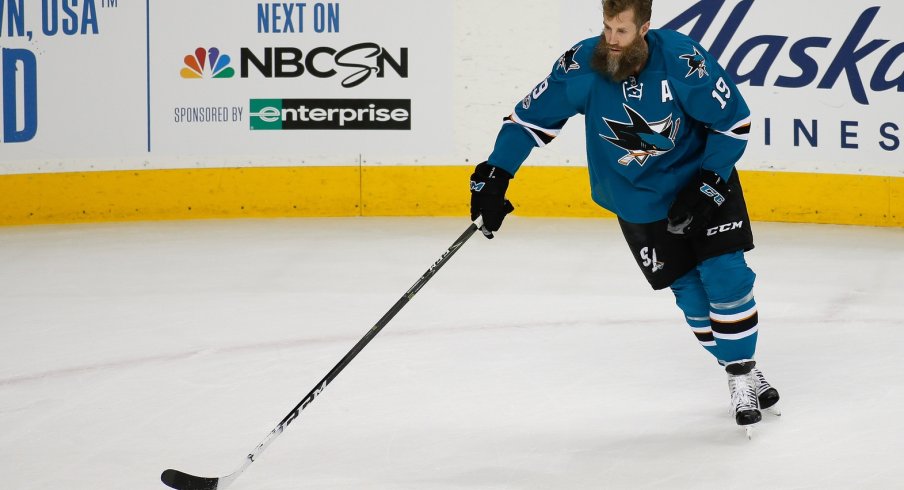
(640, 138)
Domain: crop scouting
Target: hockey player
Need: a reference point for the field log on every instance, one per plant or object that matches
(665, 127)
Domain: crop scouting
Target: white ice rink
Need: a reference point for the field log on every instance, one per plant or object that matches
(538, 360)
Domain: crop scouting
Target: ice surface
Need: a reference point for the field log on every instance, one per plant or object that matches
(538, 360)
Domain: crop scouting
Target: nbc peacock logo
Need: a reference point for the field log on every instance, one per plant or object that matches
(207, 63)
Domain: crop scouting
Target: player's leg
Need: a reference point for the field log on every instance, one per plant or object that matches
(691, 298)
(734, 319)
(729, 286)
(670, 261)
(732, 308)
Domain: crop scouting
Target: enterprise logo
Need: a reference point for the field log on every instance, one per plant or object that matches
(279, 114)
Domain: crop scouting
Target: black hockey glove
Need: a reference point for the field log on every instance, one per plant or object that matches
(696, 204)
(488, 186)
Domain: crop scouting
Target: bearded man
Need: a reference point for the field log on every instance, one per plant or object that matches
(665, 127)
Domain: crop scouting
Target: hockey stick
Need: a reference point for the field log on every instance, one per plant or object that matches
(183, 481)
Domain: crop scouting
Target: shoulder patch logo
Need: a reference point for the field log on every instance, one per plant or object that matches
(567, 62)
(642, 139)
(696, 64)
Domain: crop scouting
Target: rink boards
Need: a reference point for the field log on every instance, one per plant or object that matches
(145, 110)
(401, 191)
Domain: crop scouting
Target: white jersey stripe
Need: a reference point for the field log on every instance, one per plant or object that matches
(552, 133)
(731, 132)
(537, 140)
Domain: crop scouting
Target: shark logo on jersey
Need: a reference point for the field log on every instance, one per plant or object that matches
(567, 62)
(696, 64)
(640, 138)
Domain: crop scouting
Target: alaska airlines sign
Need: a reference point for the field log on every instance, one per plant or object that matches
(847, 61)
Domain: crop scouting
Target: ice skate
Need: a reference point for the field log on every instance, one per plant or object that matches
(766, 394)
(742, 386)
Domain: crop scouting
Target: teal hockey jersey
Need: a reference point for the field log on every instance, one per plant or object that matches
(648, 136)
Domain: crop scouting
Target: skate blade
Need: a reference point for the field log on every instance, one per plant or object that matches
(748, 431)
(774, 410)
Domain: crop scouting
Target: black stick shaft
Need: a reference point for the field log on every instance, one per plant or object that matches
(377, 328)
(183, 481)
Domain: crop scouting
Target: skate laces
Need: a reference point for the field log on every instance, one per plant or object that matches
(761, 384)
(743, 392)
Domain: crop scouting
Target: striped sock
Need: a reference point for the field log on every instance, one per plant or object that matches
(704, 333)
(734, 328)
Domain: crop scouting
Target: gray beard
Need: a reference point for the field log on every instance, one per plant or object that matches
(619, 68)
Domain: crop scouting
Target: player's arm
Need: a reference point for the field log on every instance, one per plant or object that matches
(709, 96)
(535, 122)
(539, 117)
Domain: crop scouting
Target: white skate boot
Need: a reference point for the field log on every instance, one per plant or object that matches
(766, 393)
(742, 386)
